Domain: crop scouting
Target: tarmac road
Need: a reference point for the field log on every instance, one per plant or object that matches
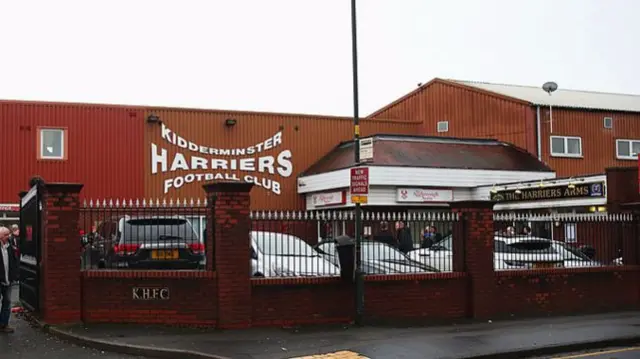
(31, 343)
(611, 353)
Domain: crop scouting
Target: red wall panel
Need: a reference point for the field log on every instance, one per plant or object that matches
(598, 143)
(471, 114)
(104, 143)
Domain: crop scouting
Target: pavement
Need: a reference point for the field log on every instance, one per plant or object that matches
(29, 342)
(505, 339)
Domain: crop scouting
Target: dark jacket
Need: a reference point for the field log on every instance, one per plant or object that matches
(15, 241)
(13, 265)
(405, 242)
(427, 242)
(385, 237)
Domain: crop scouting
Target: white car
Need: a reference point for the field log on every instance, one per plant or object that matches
(284, 255)
(376, 258)
(510, 252)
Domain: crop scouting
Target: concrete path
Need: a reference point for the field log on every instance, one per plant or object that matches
(484, 340)
(31, 343)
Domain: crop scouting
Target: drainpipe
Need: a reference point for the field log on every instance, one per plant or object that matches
(539, 133)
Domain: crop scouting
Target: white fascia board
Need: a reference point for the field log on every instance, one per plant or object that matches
(417, 177)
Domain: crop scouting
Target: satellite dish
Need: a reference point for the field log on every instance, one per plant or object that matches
(549, 87)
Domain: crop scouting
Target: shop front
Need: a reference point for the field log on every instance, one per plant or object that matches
(413, 174)
(9, 214)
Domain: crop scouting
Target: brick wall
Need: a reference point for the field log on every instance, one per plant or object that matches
(566, 291)
(286, 302)
(229, 298)
(416, 297)
(107, 296)
(60, 280)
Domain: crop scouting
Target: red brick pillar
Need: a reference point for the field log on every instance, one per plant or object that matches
(228, 230)
(477, 218)
(60, 269)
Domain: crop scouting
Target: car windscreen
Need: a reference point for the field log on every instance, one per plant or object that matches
(524, 247)
(381, 252)
(444, 243)
(328, 248)
(280, 244)
(142, 230)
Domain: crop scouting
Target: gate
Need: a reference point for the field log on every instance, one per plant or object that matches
(30, 249)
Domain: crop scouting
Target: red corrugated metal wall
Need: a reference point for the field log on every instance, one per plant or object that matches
(307, 137)
(104, 145)
(471, 114)
(598, 143)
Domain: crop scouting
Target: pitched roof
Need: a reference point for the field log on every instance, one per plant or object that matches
(434, 152)
(562, 97)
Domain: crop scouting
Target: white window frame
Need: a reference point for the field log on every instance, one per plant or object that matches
(631, 156)
(446, 123)
(566, 140)
(604, 122)
(63, 138)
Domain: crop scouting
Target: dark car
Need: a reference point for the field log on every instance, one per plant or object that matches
(156, 243)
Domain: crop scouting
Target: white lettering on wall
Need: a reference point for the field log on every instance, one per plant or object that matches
(204, 168)
(150, 293)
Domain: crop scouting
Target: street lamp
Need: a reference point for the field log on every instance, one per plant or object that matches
(550, 87)
(356, 139)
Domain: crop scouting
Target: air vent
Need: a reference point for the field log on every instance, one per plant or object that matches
(443, 126)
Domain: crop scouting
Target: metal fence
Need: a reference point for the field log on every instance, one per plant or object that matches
(143, 234)
(560, 240)
(304, 244)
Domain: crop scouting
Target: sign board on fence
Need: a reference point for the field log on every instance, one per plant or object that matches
(150, 293)
(366, 149)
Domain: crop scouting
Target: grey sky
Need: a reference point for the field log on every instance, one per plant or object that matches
(295, 55)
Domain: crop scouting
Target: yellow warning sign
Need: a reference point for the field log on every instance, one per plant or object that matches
(345, 354)
(359, 199)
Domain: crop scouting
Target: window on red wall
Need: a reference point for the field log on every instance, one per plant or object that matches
(52, 143)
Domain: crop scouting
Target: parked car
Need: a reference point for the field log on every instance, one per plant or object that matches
(377, 258)
(156, 242)
(511, 252)
(284, 255)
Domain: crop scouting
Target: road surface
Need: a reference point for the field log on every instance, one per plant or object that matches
(611, 353)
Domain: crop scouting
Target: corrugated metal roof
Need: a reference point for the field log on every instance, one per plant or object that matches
(434, 152)
(562, 98)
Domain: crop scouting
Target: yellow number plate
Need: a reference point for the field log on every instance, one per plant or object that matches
(165, 254)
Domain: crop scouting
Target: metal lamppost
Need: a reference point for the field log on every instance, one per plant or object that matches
(356, 138)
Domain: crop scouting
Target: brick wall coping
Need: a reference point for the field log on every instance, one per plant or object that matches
(148, 274)
(414, 276)
(565, 271)
(256, 282)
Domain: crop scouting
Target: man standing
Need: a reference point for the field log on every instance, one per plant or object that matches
(14, 239)
(8, 275)
(405, 242)
(385, 235)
